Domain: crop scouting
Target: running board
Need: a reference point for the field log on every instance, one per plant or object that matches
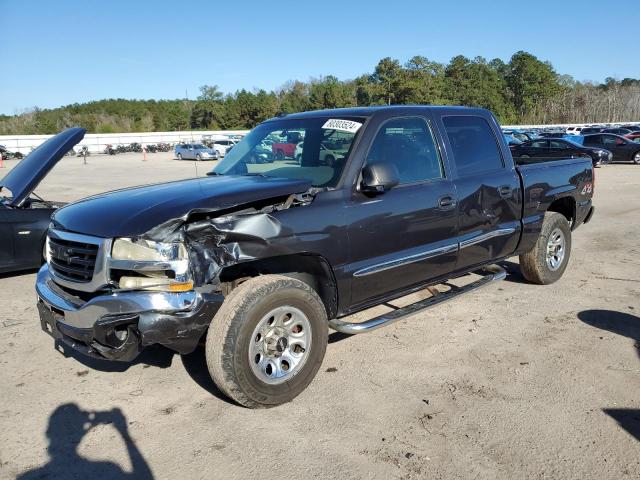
(490, 274)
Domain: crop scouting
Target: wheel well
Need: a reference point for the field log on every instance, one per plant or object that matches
(565, 206)
(312, 269)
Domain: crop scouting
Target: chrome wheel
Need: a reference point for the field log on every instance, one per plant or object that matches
(636, 158)
(279, 344)
(555, 249)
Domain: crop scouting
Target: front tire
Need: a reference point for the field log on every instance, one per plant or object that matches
(548, 259)
(198, 157)
(267, 341)
(179, 156)
(636, 158)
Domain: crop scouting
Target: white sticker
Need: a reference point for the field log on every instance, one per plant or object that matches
(342, 125)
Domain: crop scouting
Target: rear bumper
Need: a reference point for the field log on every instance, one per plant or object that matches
(117, 326)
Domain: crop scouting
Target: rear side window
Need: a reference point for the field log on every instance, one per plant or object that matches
(409, 144)
(474, 145)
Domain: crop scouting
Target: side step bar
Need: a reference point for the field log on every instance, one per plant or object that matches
(490, 274)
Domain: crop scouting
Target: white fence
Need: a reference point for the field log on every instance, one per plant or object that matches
(96, 142)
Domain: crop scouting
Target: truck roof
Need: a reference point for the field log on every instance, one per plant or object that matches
(370, 111)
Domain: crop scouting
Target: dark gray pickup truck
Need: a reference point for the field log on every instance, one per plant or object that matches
(259, 259)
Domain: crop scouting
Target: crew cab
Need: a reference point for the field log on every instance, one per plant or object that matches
(259, 260)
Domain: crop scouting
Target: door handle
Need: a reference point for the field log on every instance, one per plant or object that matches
(446, 202)
(505, 191)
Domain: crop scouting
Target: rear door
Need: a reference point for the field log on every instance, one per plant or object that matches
(408, 234)
(539, 148)
(488, 188)
(560, 149)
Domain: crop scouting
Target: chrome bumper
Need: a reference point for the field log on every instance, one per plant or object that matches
(176, 320)
(84, 314)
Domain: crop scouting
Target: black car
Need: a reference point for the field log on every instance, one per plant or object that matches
(617, 131)
(24, 216)
(560, 148)
(590, 130)
(623, 149)
(553, 134)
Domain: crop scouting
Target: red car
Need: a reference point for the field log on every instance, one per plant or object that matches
(634, 136)
(283, 150)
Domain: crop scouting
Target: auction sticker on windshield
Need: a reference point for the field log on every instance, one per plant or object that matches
(342, 125)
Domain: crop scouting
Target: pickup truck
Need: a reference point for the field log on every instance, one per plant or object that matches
(259, 260)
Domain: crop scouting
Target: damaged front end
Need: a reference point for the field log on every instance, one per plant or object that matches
(162, 287)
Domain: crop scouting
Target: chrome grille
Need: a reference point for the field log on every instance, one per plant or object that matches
(72, 260)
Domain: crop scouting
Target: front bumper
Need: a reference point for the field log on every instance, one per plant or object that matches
(117, 326)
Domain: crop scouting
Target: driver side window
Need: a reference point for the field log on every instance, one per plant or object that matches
(407, 143)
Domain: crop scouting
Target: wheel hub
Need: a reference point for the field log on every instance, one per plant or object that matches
(275, 342)
(555, 249)
(279, 344)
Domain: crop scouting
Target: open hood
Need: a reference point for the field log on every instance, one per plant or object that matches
(26, 176)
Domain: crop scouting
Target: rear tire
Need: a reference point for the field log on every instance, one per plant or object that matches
(636, 158)
(548, 259)
(179, 156)
(254, 344)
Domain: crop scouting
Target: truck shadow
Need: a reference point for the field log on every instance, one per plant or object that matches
(513, 272)
(195, 364)
(68, 424)
(627, 325)
(18, 273)
(154, 355)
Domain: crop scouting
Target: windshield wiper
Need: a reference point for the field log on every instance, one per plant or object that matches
(214, 174)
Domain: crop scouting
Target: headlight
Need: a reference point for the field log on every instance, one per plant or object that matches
(156, 265)
(147, 251)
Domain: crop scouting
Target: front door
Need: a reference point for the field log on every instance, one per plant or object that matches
(407, 235)
(7, 257)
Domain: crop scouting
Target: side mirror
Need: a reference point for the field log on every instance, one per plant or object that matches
(379, 177)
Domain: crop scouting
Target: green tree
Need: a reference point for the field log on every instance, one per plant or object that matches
(531, 82)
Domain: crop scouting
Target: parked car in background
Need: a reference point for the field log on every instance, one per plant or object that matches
(24, 216)
(195, 151)
(511, 140)
(633, 136)
(573, 130)
(617, 131)
(623, 149)
(560, 148)
(222, 146)
(633, 128)
(590, 130)
(284, 150)
(520, 135)
(553, 134)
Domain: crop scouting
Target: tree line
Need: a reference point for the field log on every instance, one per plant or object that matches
(524, 90)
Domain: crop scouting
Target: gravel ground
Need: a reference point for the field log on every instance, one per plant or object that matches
(514, 381)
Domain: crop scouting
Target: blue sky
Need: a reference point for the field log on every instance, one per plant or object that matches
(54, 53)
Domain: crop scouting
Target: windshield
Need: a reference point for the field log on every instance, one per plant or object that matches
(314, 149)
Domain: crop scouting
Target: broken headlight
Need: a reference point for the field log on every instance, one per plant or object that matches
(138, 264)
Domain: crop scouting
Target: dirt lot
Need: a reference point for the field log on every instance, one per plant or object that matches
(515, 381)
